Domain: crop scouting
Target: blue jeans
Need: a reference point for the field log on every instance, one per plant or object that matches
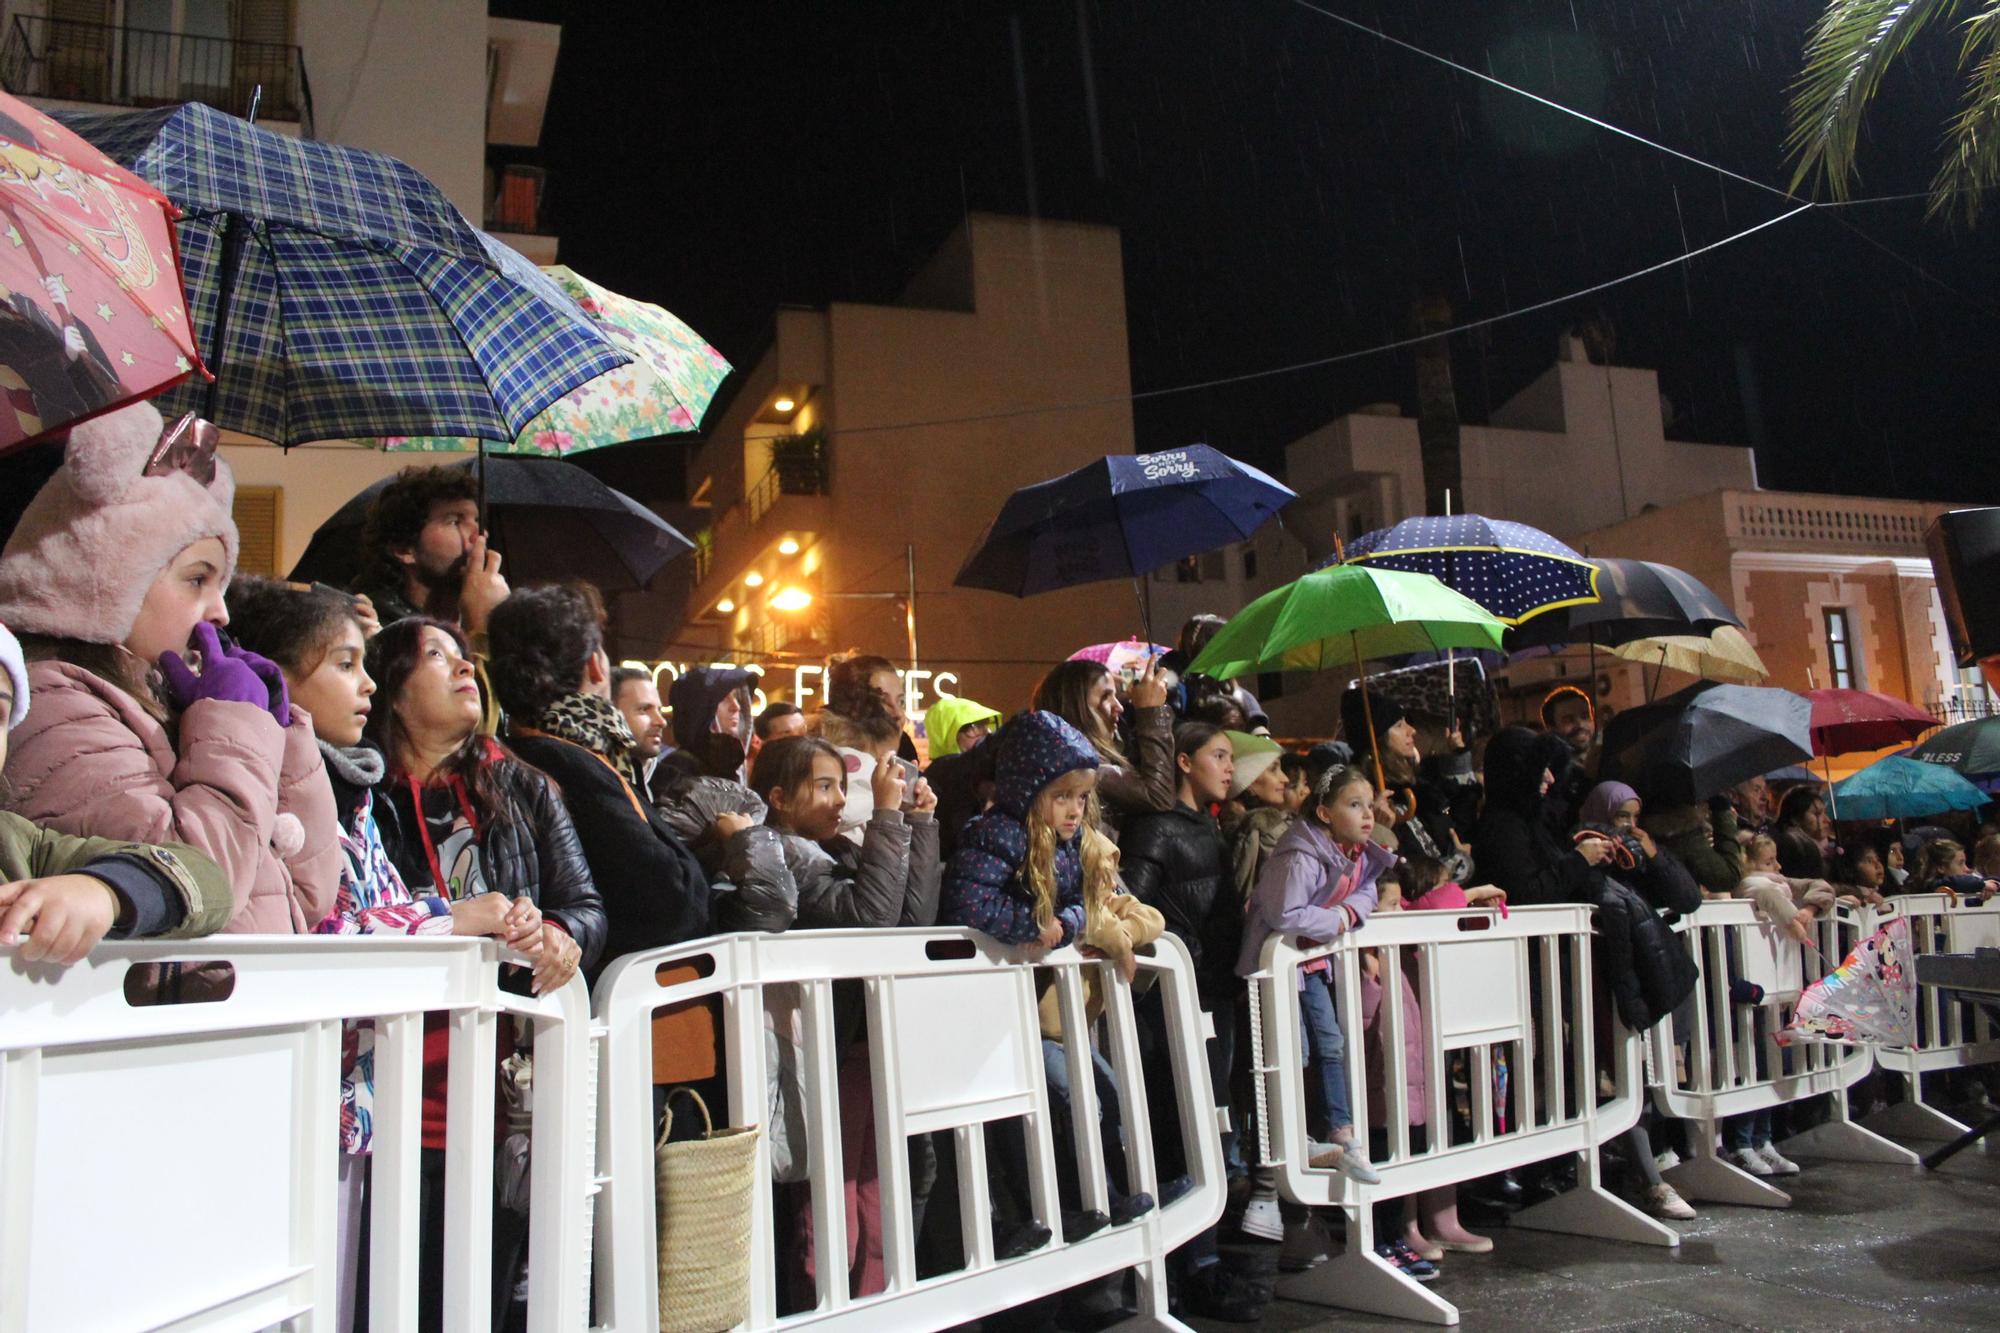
(1055, 1064)
(1326, 1047)
(1752, 1129)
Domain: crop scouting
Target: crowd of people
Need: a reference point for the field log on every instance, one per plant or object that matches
(190, 751)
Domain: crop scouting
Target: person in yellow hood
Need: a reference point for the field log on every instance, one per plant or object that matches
(955, 725)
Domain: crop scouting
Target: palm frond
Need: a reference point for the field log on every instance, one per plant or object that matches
(1851, 47)
(1972, 139)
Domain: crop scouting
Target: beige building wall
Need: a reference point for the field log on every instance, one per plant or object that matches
(1011, 314)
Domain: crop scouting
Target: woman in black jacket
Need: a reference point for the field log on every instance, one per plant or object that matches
(464, 817)
(553, 677)
(1514, 845)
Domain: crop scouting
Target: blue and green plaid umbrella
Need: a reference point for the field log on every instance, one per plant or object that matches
(363, 304)
(1511, 569)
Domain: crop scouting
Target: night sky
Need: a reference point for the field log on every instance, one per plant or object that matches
(1288, 188)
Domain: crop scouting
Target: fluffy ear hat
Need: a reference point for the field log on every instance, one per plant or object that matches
(96, 536)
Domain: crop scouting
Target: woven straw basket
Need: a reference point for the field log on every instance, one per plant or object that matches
(703, 1214)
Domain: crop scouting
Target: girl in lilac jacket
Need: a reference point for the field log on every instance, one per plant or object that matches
(1320, 882)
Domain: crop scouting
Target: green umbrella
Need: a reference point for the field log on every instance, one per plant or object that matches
(1341, 615)
(1338, 616)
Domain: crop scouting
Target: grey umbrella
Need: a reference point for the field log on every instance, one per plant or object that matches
(549, 518)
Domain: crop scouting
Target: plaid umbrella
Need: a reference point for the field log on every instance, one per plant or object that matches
(347, 295)
(666, 389)
(1511, 569)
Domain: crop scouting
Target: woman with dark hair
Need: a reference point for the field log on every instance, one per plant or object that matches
(1803, 833)
(1085, 695)
(1412, 804)
(553, 678)
(463, 817)
(864, 719)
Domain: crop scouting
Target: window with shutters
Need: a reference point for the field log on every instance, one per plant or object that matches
(1839, 648)
(259, 513)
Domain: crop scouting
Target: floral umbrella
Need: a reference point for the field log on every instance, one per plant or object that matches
(672, 378)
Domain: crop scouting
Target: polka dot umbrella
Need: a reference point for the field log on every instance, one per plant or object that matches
(1514, 571)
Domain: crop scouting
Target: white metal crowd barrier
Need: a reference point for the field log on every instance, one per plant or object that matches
(1487, 986)
(1950, 1035)
(1717, 1059)
(173, 1165)
(954, 1046)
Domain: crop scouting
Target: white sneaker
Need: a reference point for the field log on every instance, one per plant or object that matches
(1346, 1158)
(1262, 1220)
(1664, 1200)
(1749, 1159)
(1780, 1164)
(1667, 1160)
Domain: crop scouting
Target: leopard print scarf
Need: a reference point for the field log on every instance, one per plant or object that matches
(595, 724)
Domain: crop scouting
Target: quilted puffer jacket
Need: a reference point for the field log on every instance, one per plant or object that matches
(1174, 860)
(229, 782)
(778, 881)
(984, 886)
(533, 850)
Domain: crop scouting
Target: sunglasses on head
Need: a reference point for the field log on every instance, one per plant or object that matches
(186, 446)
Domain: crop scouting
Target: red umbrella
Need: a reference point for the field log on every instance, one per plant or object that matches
(92, 315)
(1844, 721)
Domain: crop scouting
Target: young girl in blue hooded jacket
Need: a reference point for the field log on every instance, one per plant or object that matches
(1036, 870)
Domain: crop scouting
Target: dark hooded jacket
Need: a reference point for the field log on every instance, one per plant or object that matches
(963, 783)
(1514, 844)
(986, 886)
(693, 698)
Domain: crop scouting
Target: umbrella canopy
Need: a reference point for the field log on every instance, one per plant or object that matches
(550, 519)
(1122, 516)
(1971, 749)
(1115, 657)
(1705, 739)
(1338, 616)
(1723, 655)
(664, 390)
(348, 296)
(1511, 569)
(1844, 721)
(1636, 599)
(92, 315)
(1896, 788)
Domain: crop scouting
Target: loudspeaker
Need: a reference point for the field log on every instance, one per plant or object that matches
(1964, 548)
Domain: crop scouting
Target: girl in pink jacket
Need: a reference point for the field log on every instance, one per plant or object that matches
(147, 727)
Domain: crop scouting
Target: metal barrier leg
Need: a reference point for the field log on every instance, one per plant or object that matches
(1706, 1178)
(1592, 1210)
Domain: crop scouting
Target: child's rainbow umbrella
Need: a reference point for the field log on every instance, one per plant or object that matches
(1871, 996)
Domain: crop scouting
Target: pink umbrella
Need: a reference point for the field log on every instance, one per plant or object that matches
(1844, 721)
(1115, 657)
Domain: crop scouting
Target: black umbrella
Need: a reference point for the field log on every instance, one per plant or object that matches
(1707, 738)
(1637, 599)
(1970, 748)
(552, 520)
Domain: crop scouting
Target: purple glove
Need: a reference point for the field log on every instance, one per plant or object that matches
(225, 677)
(273, 677)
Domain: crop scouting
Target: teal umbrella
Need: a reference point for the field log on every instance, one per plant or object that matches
(1898, 788)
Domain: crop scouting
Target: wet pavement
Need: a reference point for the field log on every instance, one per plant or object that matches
(1862, 1247)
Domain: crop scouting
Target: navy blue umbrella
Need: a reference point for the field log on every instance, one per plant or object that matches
(1511, 569)
(1122, 516)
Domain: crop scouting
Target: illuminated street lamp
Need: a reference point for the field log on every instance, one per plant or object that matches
(791, 599)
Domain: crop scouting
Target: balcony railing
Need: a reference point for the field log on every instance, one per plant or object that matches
(1830, 522)
(117, 66)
